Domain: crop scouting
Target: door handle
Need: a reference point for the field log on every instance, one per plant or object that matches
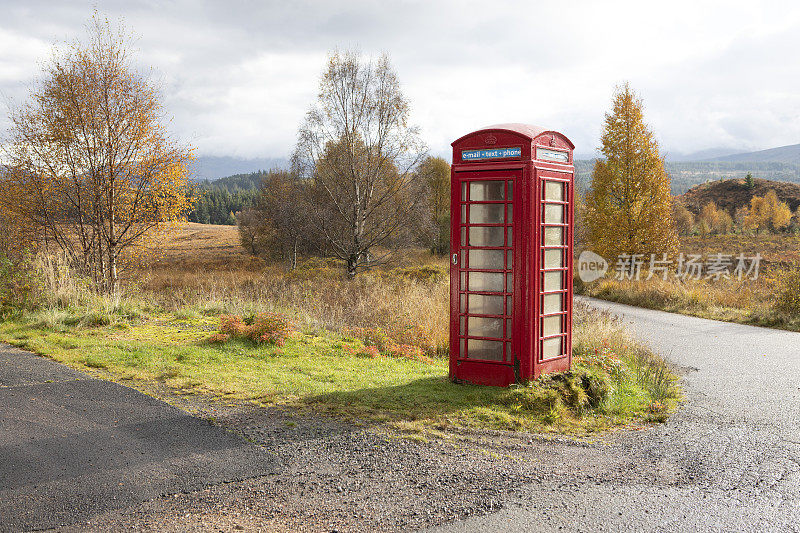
(455, 259)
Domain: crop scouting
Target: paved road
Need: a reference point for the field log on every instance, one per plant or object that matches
(729, 460)
(72, 446)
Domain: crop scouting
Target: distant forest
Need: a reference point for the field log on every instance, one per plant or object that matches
(220, 200)
(686, 174)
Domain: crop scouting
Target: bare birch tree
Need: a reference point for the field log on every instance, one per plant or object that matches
(359, 151)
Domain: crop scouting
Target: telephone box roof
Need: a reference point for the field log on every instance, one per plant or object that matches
(529, 131)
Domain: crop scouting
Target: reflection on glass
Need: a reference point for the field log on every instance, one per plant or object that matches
(463, 236)
(486, 191)
(510, 240)
(464, 191)
(509, 259)
(551, 348)
(510, 190)
(508, 305)
(553, 237)
(463, 352)
(552, 281)
(509, 355)
(464, 214)
(488, 350)
(551, 325)
(553, 259)
(552, 303)
(462, 304)
(486, 213)
(554, 191)
(486, 259)
(486, 236)
(486, 282)
(482, 304)
(463, 281)
(509, 282)
(485, 327)
(508, 328)
(461, 329)
(553, 214)
(510, 214)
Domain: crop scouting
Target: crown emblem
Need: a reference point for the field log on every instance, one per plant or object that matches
(490, 139)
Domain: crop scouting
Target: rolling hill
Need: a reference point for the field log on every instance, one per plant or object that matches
(209, 168)
(732, 194)
(783, 154)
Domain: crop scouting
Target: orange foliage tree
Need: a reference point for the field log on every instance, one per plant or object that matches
(90, 168)
(629, 207)
(768, 213)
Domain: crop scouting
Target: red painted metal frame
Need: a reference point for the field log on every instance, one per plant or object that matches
(528, 250)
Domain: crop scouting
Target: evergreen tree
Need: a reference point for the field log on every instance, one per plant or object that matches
(749, 182)
(629, 207)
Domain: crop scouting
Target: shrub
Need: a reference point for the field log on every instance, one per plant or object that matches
(16, 285)
(389, 343)
(263, 328)
(788, 301)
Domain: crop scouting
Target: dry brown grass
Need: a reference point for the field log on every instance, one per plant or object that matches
(746, 301)
(203, 267)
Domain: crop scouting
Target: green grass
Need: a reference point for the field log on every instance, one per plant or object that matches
(319, 371)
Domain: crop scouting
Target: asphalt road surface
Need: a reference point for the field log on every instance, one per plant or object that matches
(729, 460)
(72, 446)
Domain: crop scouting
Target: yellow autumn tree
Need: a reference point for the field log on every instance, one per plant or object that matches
(768, 213)
(629, 206)
(90, 168)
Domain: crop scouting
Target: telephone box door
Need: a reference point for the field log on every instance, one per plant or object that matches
(485, 265)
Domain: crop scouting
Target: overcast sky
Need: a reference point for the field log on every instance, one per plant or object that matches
(238, 76)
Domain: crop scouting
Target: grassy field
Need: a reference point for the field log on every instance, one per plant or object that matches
(159, 332)
(755, 302)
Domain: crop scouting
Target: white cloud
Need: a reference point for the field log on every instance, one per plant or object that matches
(238, 76)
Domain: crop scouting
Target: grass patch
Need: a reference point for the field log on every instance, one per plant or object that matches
(328, 372)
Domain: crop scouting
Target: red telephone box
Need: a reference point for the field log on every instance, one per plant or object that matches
(511, 254)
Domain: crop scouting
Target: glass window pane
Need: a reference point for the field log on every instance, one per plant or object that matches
(462, 304)
(463, 236)
(553, 236)
(486, 281)
(554, 190)
(510, 218)
(482, 304)
(509, 282)
(463, 281)
(486, 236)
(510, 190)
(551, 325)
(552, 281)
(509, 353)
(553, 259)
(508, 328)
(551, 348)
(486, 327)
(461, 329)
(486, 191)
(481, 349)
(464, 214)
(509, 259)
(509, 307)
(488, 259)
(486, 213)
(464, 191)
(510, 241)
(553, 214)
(552, 303)
(463, 352)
